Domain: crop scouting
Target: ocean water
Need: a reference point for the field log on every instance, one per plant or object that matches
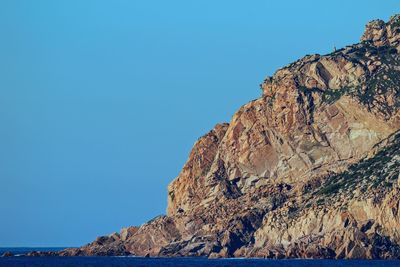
(172, 262)
(181, 262)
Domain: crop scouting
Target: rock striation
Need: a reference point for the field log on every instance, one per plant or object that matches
(308, 170)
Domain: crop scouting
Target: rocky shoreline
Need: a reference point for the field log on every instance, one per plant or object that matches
(308, 170)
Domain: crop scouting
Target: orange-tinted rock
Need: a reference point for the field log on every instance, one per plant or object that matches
(308, 170)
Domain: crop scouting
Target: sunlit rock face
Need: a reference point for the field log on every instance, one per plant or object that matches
(308, 170)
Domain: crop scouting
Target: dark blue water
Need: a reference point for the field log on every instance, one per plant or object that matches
(180, 262)
(172, 262)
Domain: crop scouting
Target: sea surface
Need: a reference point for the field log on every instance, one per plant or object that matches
(171, 262)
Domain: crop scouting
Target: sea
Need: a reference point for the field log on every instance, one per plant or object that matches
(18, 261)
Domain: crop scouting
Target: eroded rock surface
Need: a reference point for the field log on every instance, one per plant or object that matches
(308, 170)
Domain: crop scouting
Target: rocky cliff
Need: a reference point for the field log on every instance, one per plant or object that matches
(308, 170)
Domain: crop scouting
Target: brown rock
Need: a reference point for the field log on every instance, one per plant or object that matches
(308, 170)
(7, 254)
(128, 232)
(381, 34)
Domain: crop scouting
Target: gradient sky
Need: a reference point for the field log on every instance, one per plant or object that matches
(101, 101)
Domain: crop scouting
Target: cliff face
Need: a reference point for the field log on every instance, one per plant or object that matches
(310, 169)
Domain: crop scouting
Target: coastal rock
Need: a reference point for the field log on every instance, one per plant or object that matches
(308, 170)
(7, 254)
(382, 34)
(128, 232)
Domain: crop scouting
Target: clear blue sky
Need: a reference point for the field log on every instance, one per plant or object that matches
(101, 101)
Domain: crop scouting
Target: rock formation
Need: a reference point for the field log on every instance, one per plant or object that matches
(308, 170)
(7, 254)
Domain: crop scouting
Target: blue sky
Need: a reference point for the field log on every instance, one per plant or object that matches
(101, 101)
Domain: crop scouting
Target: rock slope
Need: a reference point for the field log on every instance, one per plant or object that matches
(308, 170)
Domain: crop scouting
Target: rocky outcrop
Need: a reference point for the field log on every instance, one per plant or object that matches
(383, 34)
(353, 214)
(308, 170)
(7, 254)
(190, 184)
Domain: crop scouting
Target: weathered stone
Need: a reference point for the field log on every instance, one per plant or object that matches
(308, 170)
(7, 254)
